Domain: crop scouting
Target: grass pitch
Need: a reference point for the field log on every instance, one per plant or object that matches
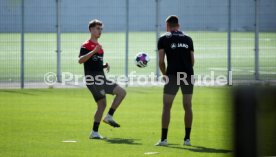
(33, 123)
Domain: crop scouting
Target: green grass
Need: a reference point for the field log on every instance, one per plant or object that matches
(33, 123)
(210, 53)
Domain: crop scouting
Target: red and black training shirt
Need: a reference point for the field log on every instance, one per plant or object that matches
(95, 63)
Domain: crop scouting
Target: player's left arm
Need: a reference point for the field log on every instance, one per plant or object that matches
(162, 64)
(192, 52)
(192, 58)
(161, 55)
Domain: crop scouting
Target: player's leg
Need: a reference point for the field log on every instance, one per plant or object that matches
(166, 113)
(170, 90)
(188, 117)
(101, 105)
(166, 116)
(120, 94)
(187, 91)
(99, 97)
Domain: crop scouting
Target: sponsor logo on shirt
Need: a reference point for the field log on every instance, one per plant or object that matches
(175, 45)
(96, 57)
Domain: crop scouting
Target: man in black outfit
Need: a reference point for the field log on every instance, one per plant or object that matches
(179, 51)
(91, 55)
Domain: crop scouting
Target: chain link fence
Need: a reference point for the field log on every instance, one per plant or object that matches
(33, 34)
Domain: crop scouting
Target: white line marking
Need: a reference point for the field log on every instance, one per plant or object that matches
(151, 153)
(69, 141)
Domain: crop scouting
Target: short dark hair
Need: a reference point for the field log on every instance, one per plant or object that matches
(94, 23)
(172, 21)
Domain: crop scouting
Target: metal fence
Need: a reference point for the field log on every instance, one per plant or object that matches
(230, 36)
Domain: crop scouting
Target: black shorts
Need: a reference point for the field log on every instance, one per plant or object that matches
(173, 85)
(99, 85)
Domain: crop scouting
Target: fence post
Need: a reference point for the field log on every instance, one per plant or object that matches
(22, 65)
(127, 34)
(157, 27)
(229, 66)
(58, 41)
(257, 7)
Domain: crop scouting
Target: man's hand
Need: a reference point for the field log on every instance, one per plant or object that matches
(106, 65)
(97, 48)
(162, 64)
(165, 78)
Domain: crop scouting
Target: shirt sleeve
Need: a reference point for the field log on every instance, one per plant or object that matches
(83, 51)
(160, 44)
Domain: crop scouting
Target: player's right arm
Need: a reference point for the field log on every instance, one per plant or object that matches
(162, 64)
(83, 58)
(161, 52)
(192, 51)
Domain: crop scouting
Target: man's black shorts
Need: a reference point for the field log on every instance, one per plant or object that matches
(98, 85)
(173, 85)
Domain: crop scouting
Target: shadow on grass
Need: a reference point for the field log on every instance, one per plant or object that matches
(29, 92)
(17, 92)
(199, 149)
(122, 141)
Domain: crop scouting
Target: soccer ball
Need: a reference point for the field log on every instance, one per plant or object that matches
(142, 59)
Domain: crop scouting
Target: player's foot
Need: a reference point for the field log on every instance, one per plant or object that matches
(109, 120)
(187, 142)
(95, 135)
(162, 143)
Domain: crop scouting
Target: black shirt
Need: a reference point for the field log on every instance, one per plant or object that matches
(178, 47)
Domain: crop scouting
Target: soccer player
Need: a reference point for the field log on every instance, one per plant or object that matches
(91, 55)
(179, 51)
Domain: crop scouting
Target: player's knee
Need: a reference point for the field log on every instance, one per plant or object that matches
(101, 107)
(121, 93)
(187, 106)
(101, 104)
(166, 107)
(166, 111)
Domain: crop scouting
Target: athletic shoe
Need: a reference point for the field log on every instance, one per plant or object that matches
(109, 120)
(162, 143)
(95, 135)
(187, 142)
